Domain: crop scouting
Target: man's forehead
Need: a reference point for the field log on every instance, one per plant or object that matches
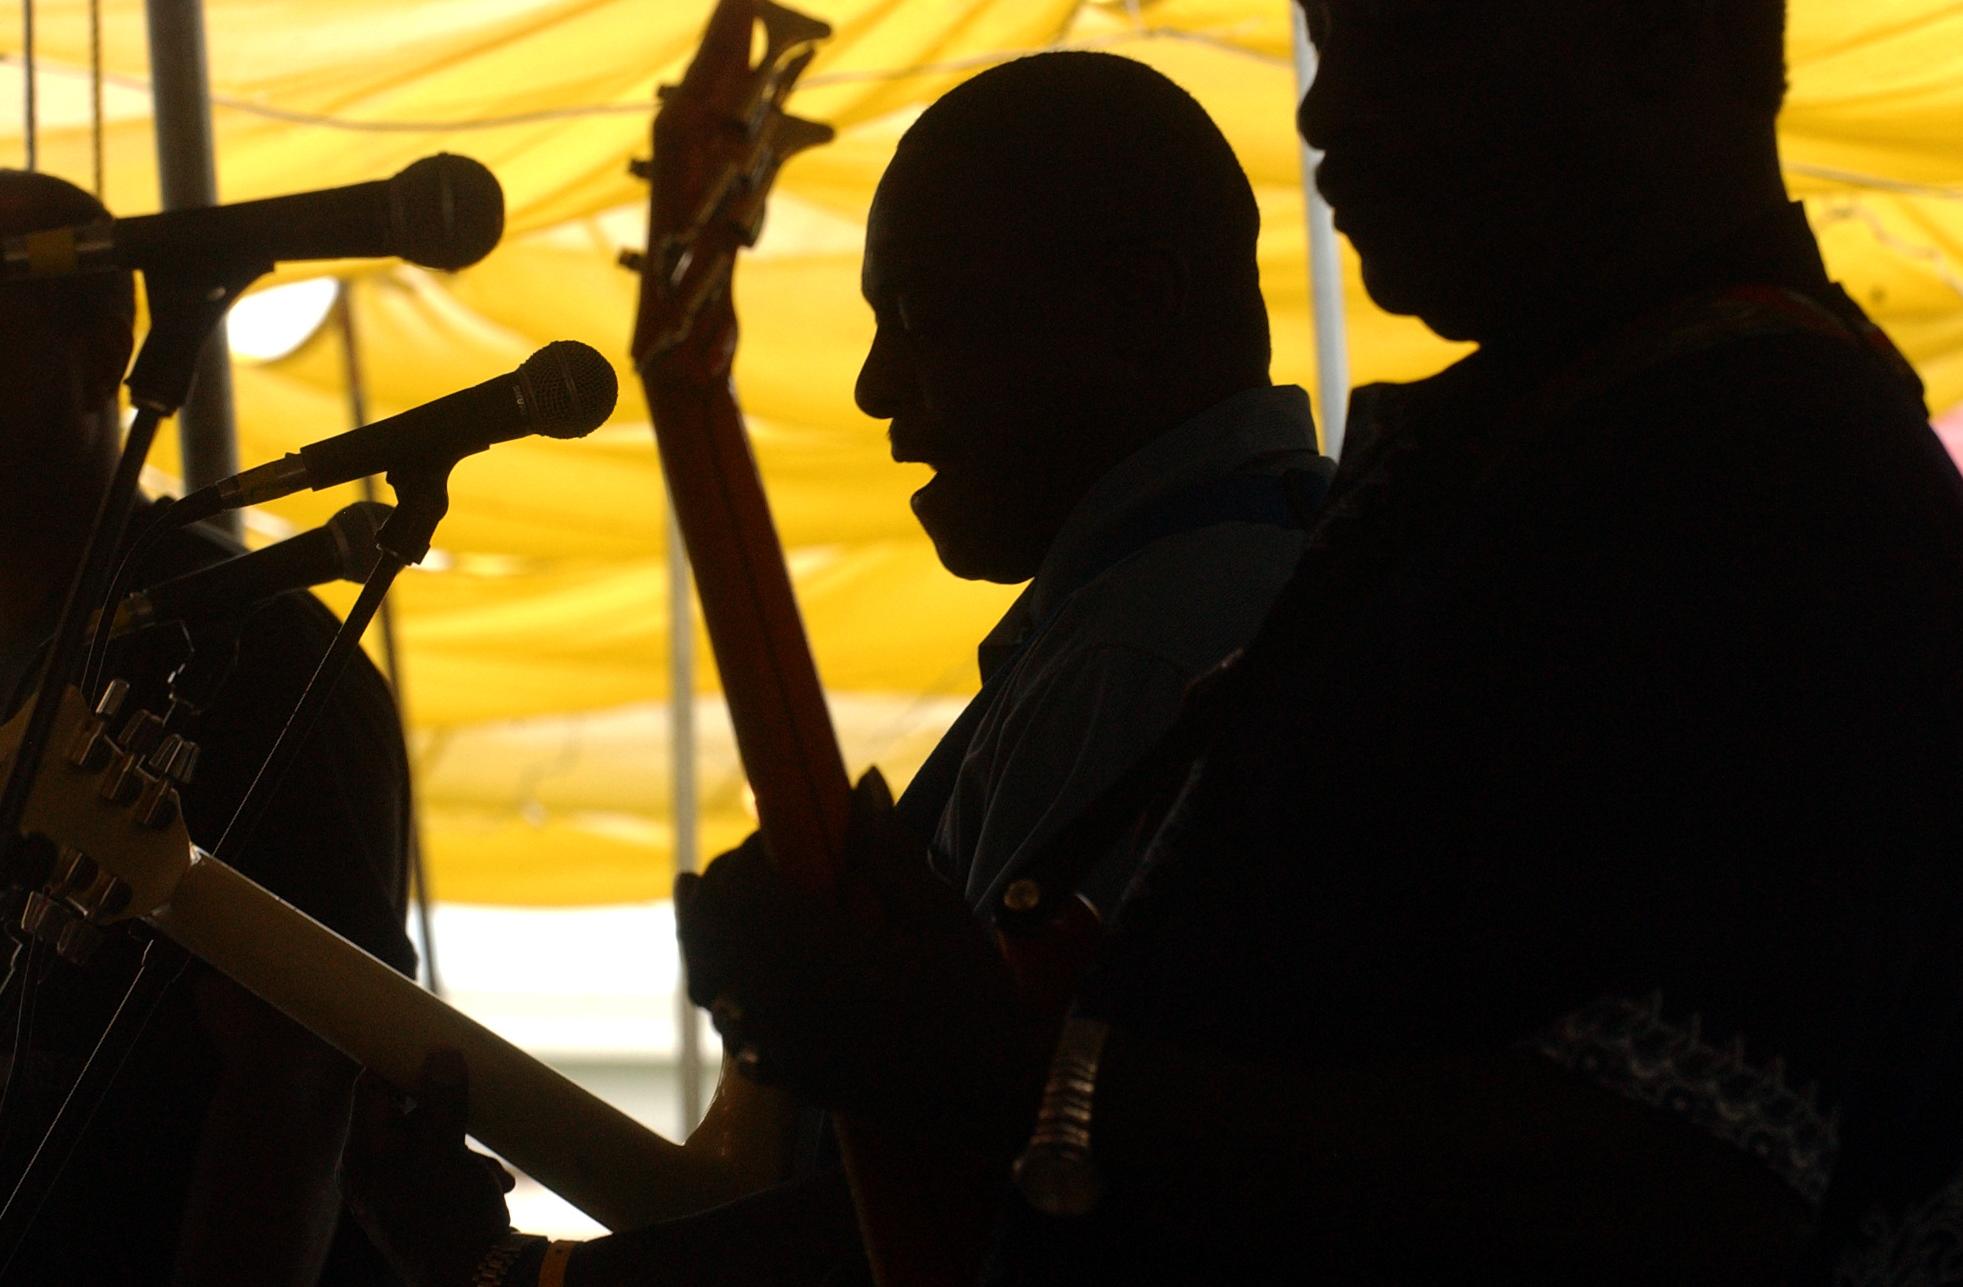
(920, 239)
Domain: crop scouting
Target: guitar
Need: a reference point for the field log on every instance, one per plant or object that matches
(111, 810)
(719, 140)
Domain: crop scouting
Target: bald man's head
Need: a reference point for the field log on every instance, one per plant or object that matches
(1059, 157)
(1061, 263)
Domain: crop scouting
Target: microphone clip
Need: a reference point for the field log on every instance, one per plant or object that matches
(185, 308)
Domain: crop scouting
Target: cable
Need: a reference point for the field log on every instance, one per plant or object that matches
(95, 87)
(27, 56)
(162, 524)
(23, 1038)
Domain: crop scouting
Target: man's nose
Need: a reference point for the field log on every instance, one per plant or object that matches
(881, 388)
(1339, 97)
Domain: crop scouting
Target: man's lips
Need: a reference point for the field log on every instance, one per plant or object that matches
(908, 450)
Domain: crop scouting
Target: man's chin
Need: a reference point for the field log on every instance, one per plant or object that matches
(970, 550)
(1410, 290)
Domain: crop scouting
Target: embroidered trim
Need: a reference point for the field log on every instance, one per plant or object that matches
(1627, 1046)
(1921, 1246)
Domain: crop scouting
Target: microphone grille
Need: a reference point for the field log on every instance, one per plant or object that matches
(570, 387)
(448, 211)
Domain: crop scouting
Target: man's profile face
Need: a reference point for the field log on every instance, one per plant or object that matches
(1465, 143)
(985, 366)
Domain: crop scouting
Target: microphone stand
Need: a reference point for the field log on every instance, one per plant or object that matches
(184, 310)
(422, 497)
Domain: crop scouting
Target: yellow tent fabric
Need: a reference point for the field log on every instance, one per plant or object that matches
(535, 642)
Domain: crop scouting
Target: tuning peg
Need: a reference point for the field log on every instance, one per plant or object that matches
(795, 134)
(90, 749)
(789, 29)
(171, 764)
(141, 733)
(44, 918)
(183, 766)
(175, 758)
(106, 896)
(156, 804)
(633, 261)
(110, 704)
(160, 755)
(77, 941)
(641, 167)
(74, 872)
(124, 781)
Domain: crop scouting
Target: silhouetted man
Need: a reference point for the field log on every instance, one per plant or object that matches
(1569, 893)
(1566, 890)
(214, 1156)
(1070, 331)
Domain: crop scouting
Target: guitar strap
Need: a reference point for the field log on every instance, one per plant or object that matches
(1286, 500)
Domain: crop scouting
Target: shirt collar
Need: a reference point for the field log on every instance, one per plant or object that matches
(1273, 421)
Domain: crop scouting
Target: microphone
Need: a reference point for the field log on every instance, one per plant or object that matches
(341, 549)
(565, 390)
(443, 211)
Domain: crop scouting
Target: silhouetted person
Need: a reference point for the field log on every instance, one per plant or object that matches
(214, 1156)
(1566, 887)
(1070, 331)
(1567, 890)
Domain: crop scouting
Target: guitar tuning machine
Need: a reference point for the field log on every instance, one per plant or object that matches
(642, 167)
(44, 918)
(633, 261)
(141, 734)
(77, 942)
(175, 759)
(91, 747)
(125, 779)
(110, 704)
(75, 871)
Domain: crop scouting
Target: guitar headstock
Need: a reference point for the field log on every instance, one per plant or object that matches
(719, 138)
(106, 799)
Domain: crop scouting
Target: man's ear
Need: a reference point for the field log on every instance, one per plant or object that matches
(1148, 284)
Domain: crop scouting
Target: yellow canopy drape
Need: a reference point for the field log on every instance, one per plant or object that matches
(534, 644)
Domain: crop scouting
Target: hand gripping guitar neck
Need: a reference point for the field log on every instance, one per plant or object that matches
(719, 140)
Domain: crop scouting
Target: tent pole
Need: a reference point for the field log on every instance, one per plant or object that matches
(684, 805)
(187, 176)
(385, 619)
(1332, 356)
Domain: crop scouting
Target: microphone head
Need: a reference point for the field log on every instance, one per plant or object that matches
(570, 387)
(446, 211)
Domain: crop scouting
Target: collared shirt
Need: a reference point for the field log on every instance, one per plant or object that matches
(1101, 657)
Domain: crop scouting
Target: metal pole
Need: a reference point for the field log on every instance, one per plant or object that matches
(683, 806)
(1332, 351)
(187, 177)
(391, 656)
